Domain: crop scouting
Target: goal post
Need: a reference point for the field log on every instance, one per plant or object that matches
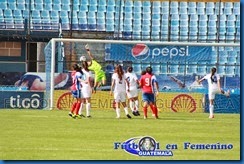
(51, 51)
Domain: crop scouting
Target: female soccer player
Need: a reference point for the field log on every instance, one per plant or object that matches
(76, 91)
(118, 86)
(86, 89)
(133, 93)
(149, 86)
(214, 87)
(93, 65)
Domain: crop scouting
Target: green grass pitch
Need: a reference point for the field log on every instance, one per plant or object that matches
(53, 135)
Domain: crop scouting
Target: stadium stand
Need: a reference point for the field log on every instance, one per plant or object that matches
(199, 21)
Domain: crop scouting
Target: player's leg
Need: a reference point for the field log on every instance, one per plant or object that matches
(145, 104)
(123, 102)
(117, 102)
(88, 107)
(226, 93)
(81, 108)
(211, 103)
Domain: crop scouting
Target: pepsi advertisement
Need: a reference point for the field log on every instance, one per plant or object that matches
(158, 53)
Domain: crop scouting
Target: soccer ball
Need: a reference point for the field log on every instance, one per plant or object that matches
(82, 58)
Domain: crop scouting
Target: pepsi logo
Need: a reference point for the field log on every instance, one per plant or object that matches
(140, 51)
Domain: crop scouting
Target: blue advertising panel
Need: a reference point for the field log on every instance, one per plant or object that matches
(22, 100)
(223, 104)
(158, 53)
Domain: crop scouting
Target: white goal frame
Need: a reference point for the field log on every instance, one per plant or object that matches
(54, 40)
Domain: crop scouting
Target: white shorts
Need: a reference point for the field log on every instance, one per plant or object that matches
(86, 91)
(132, 93)
(212, 93)
(120, 96)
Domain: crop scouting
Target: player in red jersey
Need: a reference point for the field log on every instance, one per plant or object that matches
(149, 86)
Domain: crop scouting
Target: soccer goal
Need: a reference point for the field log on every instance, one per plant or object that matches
(169, 59)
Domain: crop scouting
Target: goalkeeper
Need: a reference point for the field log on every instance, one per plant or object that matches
(93, 65)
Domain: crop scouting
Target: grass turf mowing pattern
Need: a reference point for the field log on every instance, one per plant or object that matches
(53, 135)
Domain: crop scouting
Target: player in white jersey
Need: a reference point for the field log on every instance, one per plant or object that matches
(133, 91)
(214, 87)
(118, 86)
(86, 89)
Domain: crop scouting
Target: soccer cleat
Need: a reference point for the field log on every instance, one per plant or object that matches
(134, 113)
(78, 116)
(70, 114)
(145, 117)
(89, 116)
(81, 115)
(118, 117)
(228, 93)
(128, 116)
(211, 116)
(74, 116)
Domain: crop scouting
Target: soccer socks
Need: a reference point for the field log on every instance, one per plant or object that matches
(73, 107)
(118, 112)
(137, 105)
(152, 108)
(211, 109)
(81, 109)
(132, 105)
(145, 111)
(77, 108)
(126, 110)
(88, 107)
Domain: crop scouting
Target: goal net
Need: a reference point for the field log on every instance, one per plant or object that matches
(176, 65)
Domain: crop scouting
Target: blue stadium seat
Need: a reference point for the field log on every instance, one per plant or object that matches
(236, 8)
(57, 7)
(192, 8)
(228, 6)
(182, 69)
(48, 6)
(12, 5)
(92, 8)
(3, 5)
(173, 69)
(91, 23)
(65, 25)
(47, 1)
(38, 6)
(65, 2)
(17, 14)
(201, 69)
(230, 70)
(156, 67)
(65, 7)
(19, 23)
(210, 8)
(200, 8)
(137, 68)
(57, 2)
(83, 24)
(183, 8)
(191, 69)
(75, 23)
(37, 23)
(8, 13)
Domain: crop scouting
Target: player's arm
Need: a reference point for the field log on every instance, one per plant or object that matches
(128, 84)
(199, 81)
(112, 86)
(89, 52)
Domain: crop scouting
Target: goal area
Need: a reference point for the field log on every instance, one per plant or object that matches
(171, 61)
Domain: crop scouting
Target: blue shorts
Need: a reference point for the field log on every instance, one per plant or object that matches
(76, 94)
(148, 97)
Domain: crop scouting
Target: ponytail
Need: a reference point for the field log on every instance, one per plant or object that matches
(213, 71)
